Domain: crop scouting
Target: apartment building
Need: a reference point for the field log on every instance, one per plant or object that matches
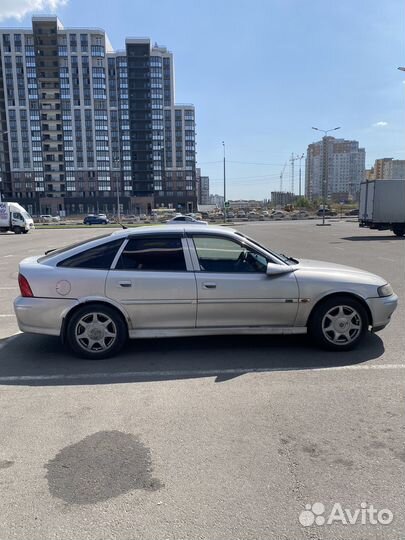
(336, 165)
(83, 125)
(203, 188)
(387, 169)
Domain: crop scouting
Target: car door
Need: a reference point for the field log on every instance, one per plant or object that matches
(233, 288)
(153, 279)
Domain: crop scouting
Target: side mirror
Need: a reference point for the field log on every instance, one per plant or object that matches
(278, 269)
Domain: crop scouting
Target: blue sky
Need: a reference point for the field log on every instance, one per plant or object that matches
(262, 72)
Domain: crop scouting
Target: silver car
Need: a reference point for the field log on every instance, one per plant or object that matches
(189, 281)
(185, 220)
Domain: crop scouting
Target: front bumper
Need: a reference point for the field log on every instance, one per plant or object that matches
(42, 315)
(381, 310)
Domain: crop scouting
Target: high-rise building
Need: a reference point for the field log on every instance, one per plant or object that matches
(81, 123)
(387, 169)
(203, 188)
(337, 162)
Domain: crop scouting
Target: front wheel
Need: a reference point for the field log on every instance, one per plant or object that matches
(339, 323)
(96, 331)
(17, 230)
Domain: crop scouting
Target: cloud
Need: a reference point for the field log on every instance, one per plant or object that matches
(380, 124)
(17, 9)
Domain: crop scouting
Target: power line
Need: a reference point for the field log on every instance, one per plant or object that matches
(256, 163)
(246, 177)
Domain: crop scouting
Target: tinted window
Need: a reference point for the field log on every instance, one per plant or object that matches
(153, 253)
(216, 254)
(53, 252)
(97, 258)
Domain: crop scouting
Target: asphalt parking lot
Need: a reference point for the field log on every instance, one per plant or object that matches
(208, 438)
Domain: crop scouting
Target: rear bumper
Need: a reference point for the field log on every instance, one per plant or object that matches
(381, 310)
(42, 315)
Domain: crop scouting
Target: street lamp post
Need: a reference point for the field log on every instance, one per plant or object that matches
(324, 168)
(301, 157)
(223, 144)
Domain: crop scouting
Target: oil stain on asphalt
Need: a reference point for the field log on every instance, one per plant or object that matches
(99, 467)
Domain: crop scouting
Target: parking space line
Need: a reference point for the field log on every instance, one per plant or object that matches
(8, 288)
(7, 315)
(187, 373)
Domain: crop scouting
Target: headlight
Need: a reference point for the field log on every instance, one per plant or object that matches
(385, 290)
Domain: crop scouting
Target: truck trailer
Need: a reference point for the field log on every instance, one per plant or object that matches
(13, 217)
(382, 205)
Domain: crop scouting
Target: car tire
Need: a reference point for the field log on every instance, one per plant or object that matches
(338, 323)
(17, 230)
(399, 230)
(96, 331)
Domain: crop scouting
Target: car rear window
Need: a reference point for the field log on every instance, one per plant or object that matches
(160, 254)
(96, 258)
(58, 251)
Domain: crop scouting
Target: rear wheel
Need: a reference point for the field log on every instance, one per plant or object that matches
(398, 230)
(96, 331)
(339, 323)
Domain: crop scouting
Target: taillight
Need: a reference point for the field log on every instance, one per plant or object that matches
(25, 288)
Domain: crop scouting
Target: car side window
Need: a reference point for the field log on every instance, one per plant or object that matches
(96, 258)
(217, 254)
(153, 253)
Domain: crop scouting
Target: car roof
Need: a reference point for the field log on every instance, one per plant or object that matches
(133, 231)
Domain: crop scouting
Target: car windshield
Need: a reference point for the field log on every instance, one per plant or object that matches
(57, 251)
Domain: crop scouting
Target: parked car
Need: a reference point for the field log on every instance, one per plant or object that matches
(328, 212)
(47, 218)
(171, 281)
(182, 220)
(95, 220)
(278, 214)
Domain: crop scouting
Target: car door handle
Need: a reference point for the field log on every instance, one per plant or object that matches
(125, 284)
(209, 285)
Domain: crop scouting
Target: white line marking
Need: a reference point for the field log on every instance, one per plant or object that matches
(9, 339)
(7, 315)
(8, 288)
(7, 256)
(185, 373)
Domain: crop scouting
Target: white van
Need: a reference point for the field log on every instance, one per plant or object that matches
(14, 217)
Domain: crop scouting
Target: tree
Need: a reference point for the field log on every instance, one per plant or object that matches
(302, 202)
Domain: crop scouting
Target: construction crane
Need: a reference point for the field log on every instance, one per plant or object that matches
(281, 177)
